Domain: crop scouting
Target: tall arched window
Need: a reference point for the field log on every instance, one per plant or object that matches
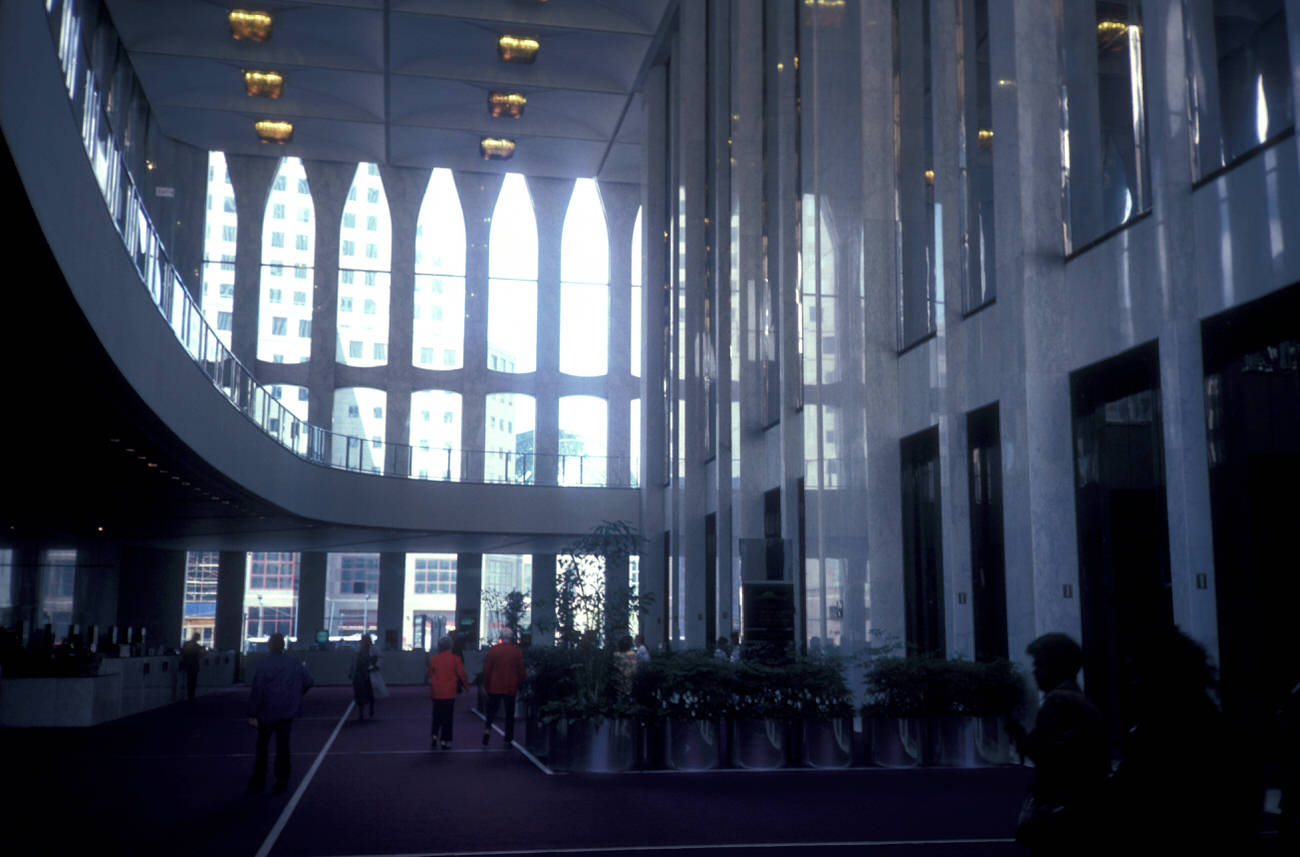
(635, 338)
(221, 222)
(584, 284)
(365, 254)
(358, 441)
(508, 441)
(435, 435)
(439, 324)
(583, 421)
(288, 260)
(512, 284)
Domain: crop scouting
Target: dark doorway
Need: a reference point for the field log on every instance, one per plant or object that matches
(1123, 529)
(1252, 400)
(988, 569)
(775, 548)
(922, 544)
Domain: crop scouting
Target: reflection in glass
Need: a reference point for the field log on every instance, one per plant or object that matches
(288, 257)
(351, 595)
(979, 280)
(436, 435)
(508, 452)
(439, 319)
(358, 425)
(914, 203)
(57, 589)
(1240, 78)
(503, 574)
(429, 602)
(582, 440)
(365, 254)
(1104, 115)
(219, 231)
(270, 598)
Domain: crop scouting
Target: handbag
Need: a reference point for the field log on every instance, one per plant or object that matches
(378, 685)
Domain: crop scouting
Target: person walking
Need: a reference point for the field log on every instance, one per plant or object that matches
(363, 691)
(446, 679)
(1071, 754)
(503, 672)
(191, 658)
(273, 703)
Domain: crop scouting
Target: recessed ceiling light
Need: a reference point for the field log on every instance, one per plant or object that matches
(506, 104)
(246, 24)
(270, 131)
(496, 148)
(267, 84)
(520, 49)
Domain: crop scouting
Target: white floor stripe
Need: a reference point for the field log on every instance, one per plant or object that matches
(632, 849)
(280, 822)
(520, 747)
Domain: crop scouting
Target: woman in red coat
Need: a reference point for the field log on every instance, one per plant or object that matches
(446, 678)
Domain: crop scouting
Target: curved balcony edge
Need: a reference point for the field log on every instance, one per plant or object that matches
(46, 148)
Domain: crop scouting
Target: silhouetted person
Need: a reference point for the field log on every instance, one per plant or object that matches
(1071, 755)
(1177, 789)
(446, 678)
(276, 698)
(642, 653)
(503, 672)
(191, 657)
(722, 650)
(363, 692)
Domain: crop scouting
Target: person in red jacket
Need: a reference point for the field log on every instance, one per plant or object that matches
(446, 679)
(503, 672)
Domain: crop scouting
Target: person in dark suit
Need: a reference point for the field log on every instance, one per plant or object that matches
(273, 703)
(1070, 751)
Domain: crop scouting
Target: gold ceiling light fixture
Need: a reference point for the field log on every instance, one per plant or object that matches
(250, 25)
(273, 131)
(496, 148)
(267, 84)
(520, 49)
(509, 104)
(1111, 35)
(986, 139)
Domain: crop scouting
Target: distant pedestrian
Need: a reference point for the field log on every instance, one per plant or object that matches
(642, 653)
(363, 691)
(446, 679)
(1071, 755)
(503, 672)
(275, 700)
(191, 660)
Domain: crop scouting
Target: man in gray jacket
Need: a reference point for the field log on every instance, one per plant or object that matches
(276, 698)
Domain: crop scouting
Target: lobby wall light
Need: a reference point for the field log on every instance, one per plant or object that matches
(496, 148)
(250, 25)
(520, 49)
(506, 104)
(986, 139)
(929, 177)
(270, 131)
(267, 84)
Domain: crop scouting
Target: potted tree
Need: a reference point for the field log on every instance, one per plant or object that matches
(684, 697)
(582, 713)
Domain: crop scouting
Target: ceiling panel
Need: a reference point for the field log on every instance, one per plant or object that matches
(405, 81)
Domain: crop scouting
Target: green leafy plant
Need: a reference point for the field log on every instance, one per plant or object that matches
(935, 687)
